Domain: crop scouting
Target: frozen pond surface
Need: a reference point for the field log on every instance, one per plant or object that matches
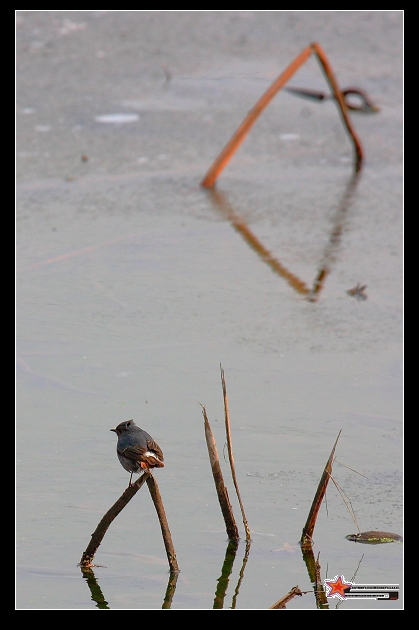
(134, 284)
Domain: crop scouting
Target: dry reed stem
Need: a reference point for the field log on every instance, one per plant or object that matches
(226, 509)
(231, 147)
(167, 537)
(230, 453)
(347, 503)
(308, 529)
(281, 603)
(339, 97)
(111, 514)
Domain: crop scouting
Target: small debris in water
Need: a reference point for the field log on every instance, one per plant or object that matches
(374, 537)
(358, 292)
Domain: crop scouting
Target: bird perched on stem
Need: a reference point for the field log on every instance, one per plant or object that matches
(136, 449)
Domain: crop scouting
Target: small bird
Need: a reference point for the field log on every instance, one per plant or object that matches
(136, 449)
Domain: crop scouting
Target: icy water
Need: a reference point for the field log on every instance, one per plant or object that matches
(134, 284)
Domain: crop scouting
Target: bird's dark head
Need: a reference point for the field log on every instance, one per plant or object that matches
(124, 426)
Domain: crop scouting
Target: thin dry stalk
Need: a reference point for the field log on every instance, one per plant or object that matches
(281, 603)
(226, 509)
(231, 147)
(352, 469)
(318, 498)
(352, 578)
(230, 453)
(167, 537)
(101, 529)
(348, 503)
(327, 69)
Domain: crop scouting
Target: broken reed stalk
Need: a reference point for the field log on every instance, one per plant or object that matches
(226, 509)
(100, 531)
(230, 453)
(231, 147)
(339, 97)
(281, 603)
(167, 537)
(308, 529)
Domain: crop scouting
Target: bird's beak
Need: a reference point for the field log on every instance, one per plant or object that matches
(114, 430)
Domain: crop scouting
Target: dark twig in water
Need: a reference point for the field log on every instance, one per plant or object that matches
(281, 603)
